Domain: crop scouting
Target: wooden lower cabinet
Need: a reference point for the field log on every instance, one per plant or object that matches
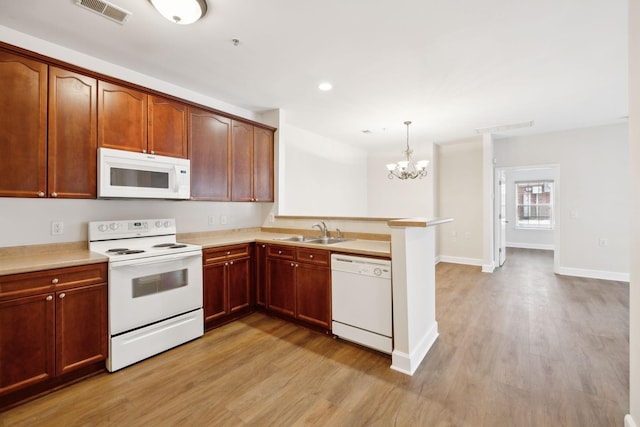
(53, 325)
(299, 284)
(227, 283)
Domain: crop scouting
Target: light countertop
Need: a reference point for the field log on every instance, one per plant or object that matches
(24, 259)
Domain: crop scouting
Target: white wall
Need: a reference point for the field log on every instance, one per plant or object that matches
(461, 198)
(28, 221)
(320, 176)
(395, 198)
(593, 201)
(519, 237)
(634, 156)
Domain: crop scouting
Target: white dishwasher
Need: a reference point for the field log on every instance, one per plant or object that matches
(361, 301)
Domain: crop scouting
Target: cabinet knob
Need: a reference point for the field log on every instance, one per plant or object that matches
(144, 151)
(264, 246)
(41, 194)
(279, 252)
(62, 295)
(293, 265)
(231, 263)
(228, 253)
(226, 263)
(55, 281)
(54, 194)
(49, 297)
(310, 256)
(153, 152)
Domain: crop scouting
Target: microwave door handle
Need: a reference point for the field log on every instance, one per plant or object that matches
(176, 174)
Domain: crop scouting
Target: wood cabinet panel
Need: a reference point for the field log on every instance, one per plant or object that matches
(81, 327)
(72, 134)
(262, 165)
(210, 152)
(215, 292)
(23, 126)
(168, 122)
(242, 162)
(122, 118)
(313, 294)
(239, 277)
(27, 329)
(281, 276)
(260, 276)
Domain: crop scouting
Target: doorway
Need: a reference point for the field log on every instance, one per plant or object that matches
(526, 210)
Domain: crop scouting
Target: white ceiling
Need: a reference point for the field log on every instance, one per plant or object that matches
(450, 66)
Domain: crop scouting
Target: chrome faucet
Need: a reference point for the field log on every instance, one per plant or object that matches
(322, 227)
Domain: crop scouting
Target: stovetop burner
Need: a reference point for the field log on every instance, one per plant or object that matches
(117, 250)
(127, 251)
(163, 245)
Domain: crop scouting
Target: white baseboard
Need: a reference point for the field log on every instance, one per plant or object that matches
(408, 363)
(593, 274)
(542, 246)
(488, 268)
(460, 260)
(628, 421)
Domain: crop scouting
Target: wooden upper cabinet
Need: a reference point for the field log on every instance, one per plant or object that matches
(167, 127)
(242, 162)
(23, 126)
(262, 165)
(122, 118)
(209, 148)
(72, 134)
(252, 163)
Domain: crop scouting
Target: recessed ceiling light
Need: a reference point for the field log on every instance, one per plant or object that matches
(325, 86)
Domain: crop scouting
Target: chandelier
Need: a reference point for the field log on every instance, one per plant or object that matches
(408, 169)
(181, 11)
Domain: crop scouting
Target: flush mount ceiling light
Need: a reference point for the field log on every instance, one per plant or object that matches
(408, 169)
(181, 12)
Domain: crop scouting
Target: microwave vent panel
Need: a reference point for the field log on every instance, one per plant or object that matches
(106, 9)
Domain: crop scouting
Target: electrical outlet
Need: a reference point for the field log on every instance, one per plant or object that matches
(212, 220)
(57, 227)
(223, 219)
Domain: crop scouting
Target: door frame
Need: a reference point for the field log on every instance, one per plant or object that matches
(556, 206)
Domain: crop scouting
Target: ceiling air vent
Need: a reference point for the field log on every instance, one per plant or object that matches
(106, 9)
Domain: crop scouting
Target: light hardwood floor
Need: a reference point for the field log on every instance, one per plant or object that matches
(520, 347)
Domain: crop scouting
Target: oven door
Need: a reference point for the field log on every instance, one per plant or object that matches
(148, 290)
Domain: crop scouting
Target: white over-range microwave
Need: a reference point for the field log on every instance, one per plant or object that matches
(136, 175)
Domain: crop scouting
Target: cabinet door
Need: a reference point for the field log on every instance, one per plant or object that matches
(209, 148)
(122, 118)
(215, 291)
(26, 342)
(23, 126)
(262, 165)
(313, 295)
(242, 162)
(72, 134)
(81, 327)
(167, 127)
(239, 284)
(281, 286)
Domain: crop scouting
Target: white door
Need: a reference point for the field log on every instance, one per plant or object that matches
(502, 217)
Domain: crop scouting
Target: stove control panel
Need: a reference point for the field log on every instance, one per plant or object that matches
(107, 230)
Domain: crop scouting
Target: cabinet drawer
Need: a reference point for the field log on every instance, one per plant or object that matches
(226, 253)
(284, 252)
(18, 285)
(313, 256)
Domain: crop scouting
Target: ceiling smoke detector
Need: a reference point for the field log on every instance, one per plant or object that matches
(104, 8)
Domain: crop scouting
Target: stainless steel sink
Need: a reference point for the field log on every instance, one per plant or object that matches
(296, 238)
(327, 241)
(312, 239)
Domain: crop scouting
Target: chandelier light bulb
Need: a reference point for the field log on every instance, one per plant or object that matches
(408, 169)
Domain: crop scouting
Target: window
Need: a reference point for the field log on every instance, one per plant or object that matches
(534, 205)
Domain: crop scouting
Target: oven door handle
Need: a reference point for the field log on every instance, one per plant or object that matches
(155, 260)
